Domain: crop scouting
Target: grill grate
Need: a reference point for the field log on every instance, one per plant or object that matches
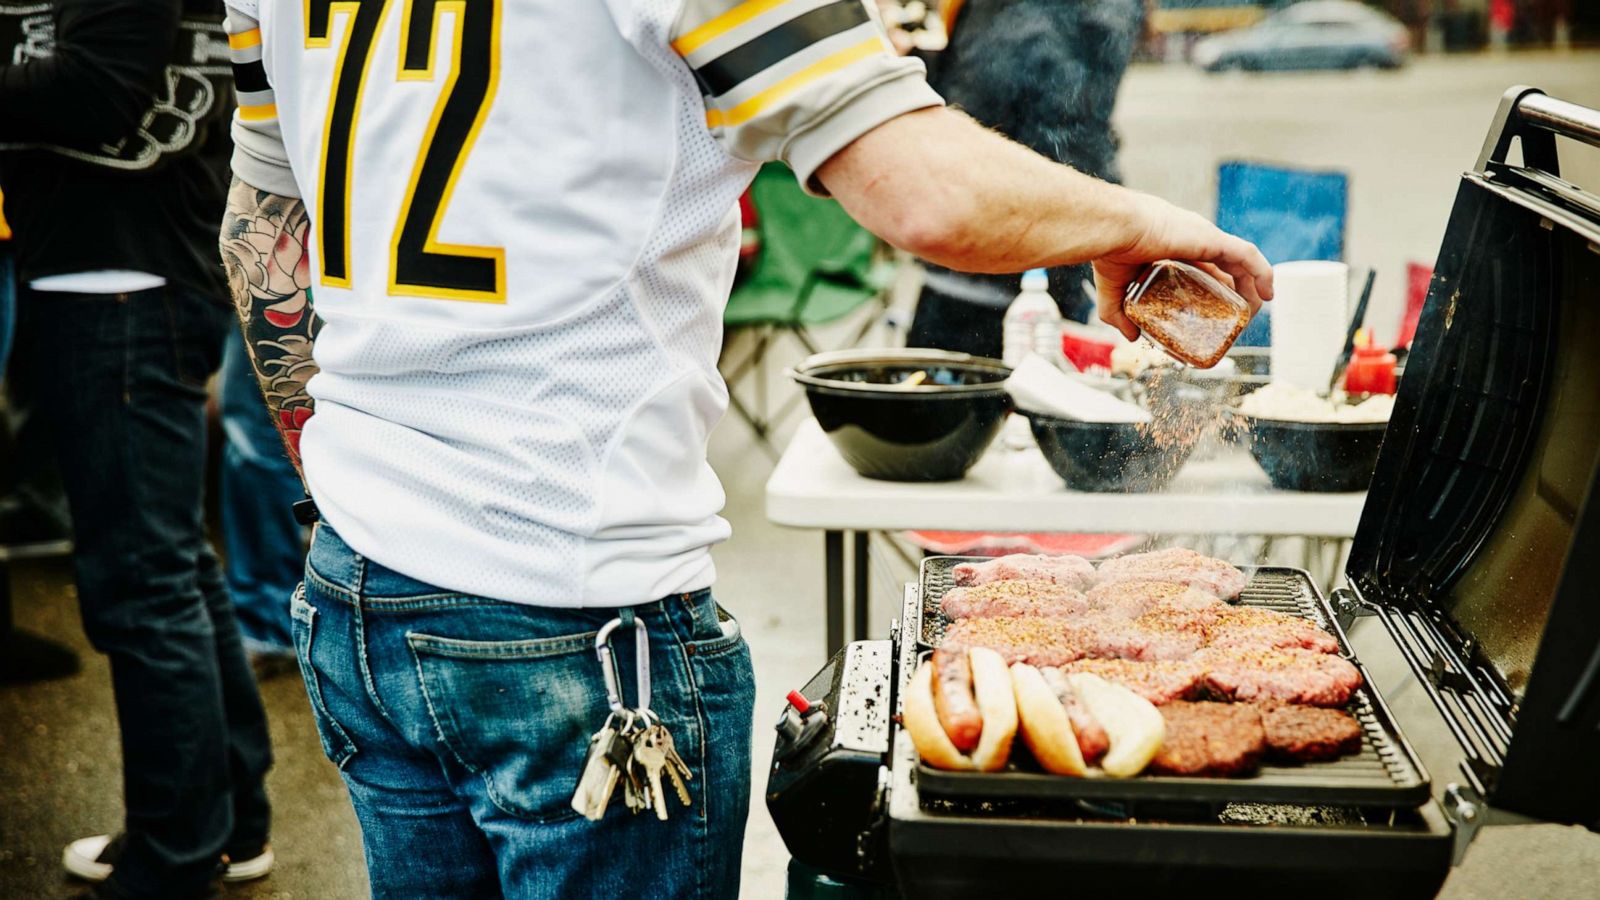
(1385, 773)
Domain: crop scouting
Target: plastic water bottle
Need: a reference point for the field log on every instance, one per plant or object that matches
(1032, 325)
(1032, 322)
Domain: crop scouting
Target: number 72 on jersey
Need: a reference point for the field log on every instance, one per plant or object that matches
(420, 265)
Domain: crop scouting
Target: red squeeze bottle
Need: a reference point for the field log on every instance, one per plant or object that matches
(1371, 370)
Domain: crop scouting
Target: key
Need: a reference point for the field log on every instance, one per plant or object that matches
(643, 796)
(655, 752)
(647, 753)
(609, 751)
(677, 770)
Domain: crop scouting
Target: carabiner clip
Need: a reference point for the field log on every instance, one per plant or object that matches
(608, 665)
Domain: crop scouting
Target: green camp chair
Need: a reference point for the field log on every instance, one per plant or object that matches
(816, 266)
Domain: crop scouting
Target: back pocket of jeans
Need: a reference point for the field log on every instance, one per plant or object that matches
(517, 714)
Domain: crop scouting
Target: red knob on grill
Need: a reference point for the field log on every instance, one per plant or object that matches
(799, 702)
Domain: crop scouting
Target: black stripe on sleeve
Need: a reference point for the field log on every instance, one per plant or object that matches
(250, 76)
(722, 74)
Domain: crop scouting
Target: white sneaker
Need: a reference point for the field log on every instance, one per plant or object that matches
(93, 858)
(248, 869)
(82, 858)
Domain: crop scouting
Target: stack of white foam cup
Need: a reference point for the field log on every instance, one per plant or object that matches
(1309, 319)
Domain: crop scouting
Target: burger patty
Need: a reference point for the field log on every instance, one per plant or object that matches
(1177, 565)
(1073, 571)
(1247, 627)
(1210, 739)
(1036, 640)
(1013, 598)
(1159, 682)
(1310, 733)
(1286, 675)
(1135, 598)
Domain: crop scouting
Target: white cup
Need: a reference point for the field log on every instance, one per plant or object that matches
(1310, 304)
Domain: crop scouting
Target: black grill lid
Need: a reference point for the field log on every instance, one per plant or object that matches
(1480, 541)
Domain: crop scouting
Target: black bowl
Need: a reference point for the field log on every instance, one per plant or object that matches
(933, 431)
(1111, 456)
(1316, 456)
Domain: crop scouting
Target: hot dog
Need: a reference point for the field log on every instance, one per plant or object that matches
(953, 699)
(996, 712)
(1093, 742)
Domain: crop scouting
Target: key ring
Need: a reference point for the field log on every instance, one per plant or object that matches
(608, 665)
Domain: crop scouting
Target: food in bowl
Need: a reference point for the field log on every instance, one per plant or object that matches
(907, 415)
(1288, 403)
(1112, 456)
(1305, 442)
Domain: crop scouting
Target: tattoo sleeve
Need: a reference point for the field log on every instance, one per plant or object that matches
(269, 273)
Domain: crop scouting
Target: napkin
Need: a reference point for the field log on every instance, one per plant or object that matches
(1038, 387)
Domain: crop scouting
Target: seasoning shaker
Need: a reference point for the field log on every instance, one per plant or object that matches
(1189, 313)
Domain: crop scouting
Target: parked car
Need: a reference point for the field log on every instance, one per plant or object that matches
(1315, 34)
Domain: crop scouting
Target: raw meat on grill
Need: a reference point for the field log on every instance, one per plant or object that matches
(1159, 682)
(1035, 640)
(1210, 739)
(1248, 627)
(1151, 636)
(1073, 571)
(1287, 675)
(1178, 565)
(1135, 598)
(1093, 742)
(1309, 733)
(1013, 598)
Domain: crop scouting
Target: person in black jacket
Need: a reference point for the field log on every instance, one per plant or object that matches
(114, 121)
(1044, 73)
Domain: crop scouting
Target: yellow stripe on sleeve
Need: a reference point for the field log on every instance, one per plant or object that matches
(723, 24)
(258, 113)
(753, 107)
(244, 40)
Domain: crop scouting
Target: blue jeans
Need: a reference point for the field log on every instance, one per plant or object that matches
(460, 724)
(265, 546)
(120, 381)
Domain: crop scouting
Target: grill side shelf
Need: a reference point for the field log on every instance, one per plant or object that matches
(1385, 773)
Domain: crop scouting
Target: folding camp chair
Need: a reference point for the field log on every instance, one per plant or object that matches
(1288, 213)
(816, 266)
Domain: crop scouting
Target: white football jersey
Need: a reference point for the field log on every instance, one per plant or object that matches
(524, 230)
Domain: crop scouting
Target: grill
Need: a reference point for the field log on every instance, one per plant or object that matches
(1474, 554)
(1385, 773)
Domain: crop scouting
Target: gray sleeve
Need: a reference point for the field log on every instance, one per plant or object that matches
(259, 159)
(795, 81)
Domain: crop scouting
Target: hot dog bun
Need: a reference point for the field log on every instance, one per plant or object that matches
(996, 701)
(1042, 721)
(1134, 725)
(991, 682)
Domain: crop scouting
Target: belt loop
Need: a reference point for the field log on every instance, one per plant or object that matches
(626, 615)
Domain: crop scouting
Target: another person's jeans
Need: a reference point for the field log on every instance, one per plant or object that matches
(120, 380)
(265, 549)
(460, 724)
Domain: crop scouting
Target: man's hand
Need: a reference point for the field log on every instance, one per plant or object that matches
(942, 187)
(1168, 232)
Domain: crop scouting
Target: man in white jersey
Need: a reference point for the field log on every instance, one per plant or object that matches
(519, 221)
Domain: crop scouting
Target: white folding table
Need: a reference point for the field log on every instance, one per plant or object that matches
(1017, 491)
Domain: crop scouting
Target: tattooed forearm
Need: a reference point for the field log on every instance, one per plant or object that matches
(269, 272)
